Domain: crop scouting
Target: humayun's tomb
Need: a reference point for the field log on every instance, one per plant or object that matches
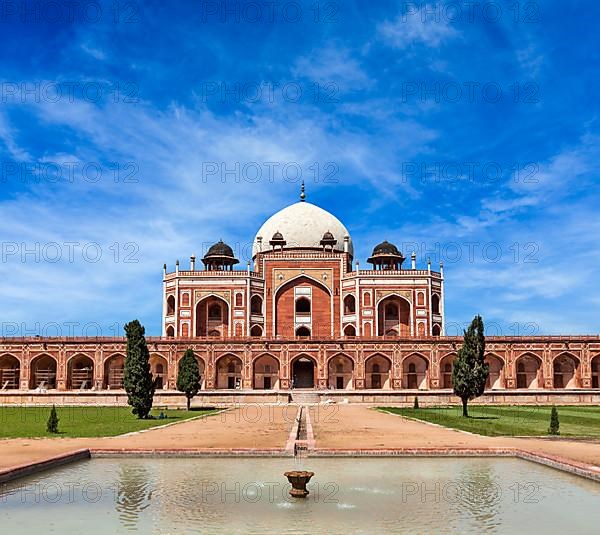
(302, 320)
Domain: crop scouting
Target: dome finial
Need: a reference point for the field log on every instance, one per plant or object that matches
(302, 194)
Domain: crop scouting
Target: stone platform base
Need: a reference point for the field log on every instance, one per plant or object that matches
(226, 398)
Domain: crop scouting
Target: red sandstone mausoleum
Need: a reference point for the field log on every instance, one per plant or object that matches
(303, 316)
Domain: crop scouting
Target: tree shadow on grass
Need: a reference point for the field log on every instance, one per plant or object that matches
(483, 417)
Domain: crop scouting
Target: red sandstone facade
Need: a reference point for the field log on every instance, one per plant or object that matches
(302, 316)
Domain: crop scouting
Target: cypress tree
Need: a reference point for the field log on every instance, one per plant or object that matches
(470, 371)
(188, 376)
(137, 378)
(52, 423)
(554, 428)
(416, 403)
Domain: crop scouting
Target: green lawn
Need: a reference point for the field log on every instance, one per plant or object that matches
(28, 422)
(510, 420)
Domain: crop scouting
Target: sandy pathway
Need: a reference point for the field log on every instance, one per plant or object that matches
(355, 427)
(244, 427)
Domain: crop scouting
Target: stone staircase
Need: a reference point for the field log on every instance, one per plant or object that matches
(305, 397)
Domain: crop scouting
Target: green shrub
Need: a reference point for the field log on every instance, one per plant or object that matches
(554, 428)
(52, 424)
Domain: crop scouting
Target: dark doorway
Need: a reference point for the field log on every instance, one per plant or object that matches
(231, 383)
(267, 383)
(304, 373)
(375, 380)
(339, 383)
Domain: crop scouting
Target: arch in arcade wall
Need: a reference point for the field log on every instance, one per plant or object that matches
(341, 372)
(529, 371)
(114, 367)
(159, 370)
(565, 369)
(229, 372)
(378, 372)
(495, 380)
(10, 372)
(265, 372)
(42, 372)
(446, 367)
(303, 371)
(415, 372)
(80, 372)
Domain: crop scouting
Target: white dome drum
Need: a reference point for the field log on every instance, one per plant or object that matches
(302, 226)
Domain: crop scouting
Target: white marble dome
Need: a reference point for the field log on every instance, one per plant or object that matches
(302, 225)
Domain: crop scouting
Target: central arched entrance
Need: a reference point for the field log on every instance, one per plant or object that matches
(303, 372)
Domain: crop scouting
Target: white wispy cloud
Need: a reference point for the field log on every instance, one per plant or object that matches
(417, 28)
(335, 65)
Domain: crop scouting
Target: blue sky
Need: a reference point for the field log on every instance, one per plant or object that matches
(138, 136)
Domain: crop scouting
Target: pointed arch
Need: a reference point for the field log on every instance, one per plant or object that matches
(80, 372)
(256, 330)
(446, 367)
(159, 370)
(302, 300)
(349, 304)
(229, 372)
(495, 380)
(378, 372)
(350, 330)
(394, 315)
(415, 372)
(529, 371)
(212, 316)
(265, 372)
(10, 372)
(304, 371)
(256, 305)
(341, 371)
(566, 370)
(170, 305)
(43, 372)
(114, 366)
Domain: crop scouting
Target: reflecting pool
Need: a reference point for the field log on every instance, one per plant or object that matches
(365, 495)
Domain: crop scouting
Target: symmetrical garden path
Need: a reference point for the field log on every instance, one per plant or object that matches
(350, 427)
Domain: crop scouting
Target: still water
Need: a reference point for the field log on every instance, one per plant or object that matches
(366, 495)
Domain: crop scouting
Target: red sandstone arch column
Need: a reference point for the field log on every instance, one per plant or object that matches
(359, 370)
(285, 379)
(396, 369)
(25, 368)
(247, 369)
(61, 369)
(99, 368)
